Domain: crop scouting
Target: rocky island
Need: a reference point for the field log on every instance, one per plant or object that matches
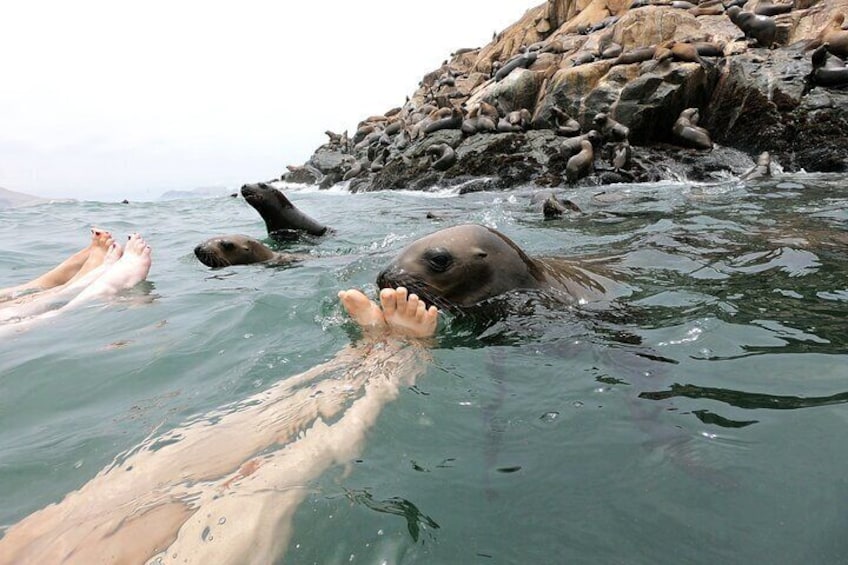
(601, 91)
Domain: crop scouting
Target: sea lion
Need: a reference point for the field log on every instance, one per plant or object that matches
(637, 55)
(504, 126)
(761, 170)
(463, 266)
(686, 52)
(709, 48)
(581, 164)
(574, 144)
(522, 60)
(553, 207)
(354, 171)
(686, 129)
(714, 10)
(237, 249)
(763, 29)
(452, 121)
(282, 219)
(583, 58)
(609, 128)
(443, 156)
(767, 8)
(827, 69)
(834, 35)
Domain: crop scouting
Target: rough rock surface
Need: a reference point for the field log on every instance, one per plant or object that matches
(636, 62)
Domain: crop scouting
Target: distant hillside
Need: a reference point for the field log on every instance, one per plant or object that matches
(202, 192)
(10, 199)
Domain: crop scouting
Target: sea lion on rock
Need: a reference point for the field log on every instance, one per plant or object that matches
(834, 35)
(581, 164)
(523, 61)
(686, 129)
(709, 48)
(452, 121)
(767, 8)
(611, 129)
(573, 144)
(354, 171)
(763, 29)
(463, 266)
(504, 126)
(565, 124)
(282, 219)
(685, 52)
(714, 10)
(237, 249)
(443, 156)
(761, 170)
(827, 69)
(637, 55)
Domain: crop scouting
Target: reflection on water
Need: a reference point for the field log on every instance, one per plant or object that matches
(698, 419)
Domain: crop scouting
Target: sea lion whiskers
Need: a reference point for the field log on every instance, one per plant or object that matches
(209, 259)
(417, 286)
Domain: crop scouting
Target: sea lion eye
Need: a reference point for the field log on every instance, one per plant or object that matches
(438, 260)
(227, 245)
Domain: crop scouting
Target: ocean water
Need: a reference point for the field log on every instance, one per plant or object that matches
(701, 419)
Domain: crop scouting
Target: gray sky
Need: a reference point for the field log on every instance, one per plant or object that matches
(107, 100)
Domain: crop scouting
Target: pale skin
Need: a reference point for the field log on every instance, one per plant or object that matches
(224, 489)
(75, 266)
(113, 270)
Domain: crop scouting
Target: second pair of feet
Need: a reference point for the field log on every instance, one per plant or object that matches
(399, 313)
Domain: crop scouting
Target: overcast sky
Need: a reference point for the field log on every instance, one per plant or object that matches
(107, 100)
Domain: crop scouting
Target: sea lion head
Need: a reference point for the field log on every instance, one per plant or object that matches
(461, 266)
(226, 250)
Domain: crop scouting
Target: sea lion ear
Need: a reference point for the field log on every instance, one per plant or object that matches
(479, 253)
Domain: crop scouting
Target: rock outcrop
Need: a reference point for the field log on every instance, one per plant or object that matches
(501, 115)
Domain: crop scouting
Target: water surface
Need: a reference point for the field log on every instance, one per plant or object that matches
(699, 420)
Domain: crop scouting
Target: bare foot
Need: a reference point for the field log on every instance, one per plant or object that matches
(406, 314)
(364, 312)
(130, 269)
(65, 271)
(101, 241)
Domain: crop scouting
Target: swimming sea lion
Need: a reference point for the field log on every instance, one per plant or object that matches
(236, 249)
(460, 267)
(282, 219)
(553, 207)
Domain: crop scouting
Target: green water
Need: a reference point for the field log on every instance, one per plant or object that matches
(701, 419)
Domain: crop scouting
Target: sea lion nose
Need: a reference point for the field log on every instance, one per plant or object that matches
(386, 277)
(198, 250)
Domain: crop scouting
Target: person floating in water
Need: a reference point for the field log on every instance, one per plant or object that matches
(102, 269)
(224, 488)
